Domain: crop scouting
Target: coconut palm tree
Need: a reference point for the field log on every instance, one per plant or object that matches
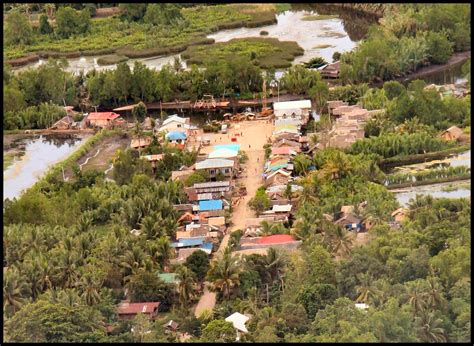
(434, 293)
(66, 269)
(416, 298)
(273, 264)
(301, 163)
(165, 250)
(15, 290)
(366, 290)
(187, 279)
(90, 287)
(225, 273)
(429, 329)
(132, 260)
(340, 240)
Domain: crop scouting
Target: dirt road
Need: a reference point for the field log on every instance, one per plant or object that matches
(254, 134)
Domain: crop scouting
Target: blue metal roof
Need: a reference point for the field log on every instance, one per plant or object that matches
(210, 204)
(207, 246)
(174, 135)
(193, 241)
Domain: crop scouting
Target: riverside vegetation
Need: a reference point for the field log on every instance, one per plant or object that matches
(141, 30)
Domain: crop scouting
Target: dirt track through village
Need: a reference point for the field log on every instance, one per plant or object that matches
(254, 134)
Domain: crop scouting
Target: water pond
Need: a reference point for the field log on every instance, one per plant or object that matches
(33, 155)
(456, 190)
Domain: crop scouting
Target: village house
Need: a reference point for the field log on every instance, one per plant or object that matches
(330, 71)
(216, 167)
(176, 138)
(217, 189)
(64, 123)
(284, 241)
(203, 243)
(451, 134)
(102, 119)
(292, 109)
(140, 143)
(335, 104)
(350, 222)
(339, 111)
(400, 214)
(175, 123)
(128, 311)
(279, 177)
(286, 143)
(153, 159)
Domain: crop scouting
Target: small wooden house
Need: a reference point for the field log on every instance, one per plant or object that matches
(140, 143)
(128, 311)
(400, 214)
(451, 134)
(102, 119)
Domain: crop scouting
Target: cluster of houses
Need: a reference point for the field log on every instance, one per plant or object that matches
(286, 142)
(349, 123)
(203, 219)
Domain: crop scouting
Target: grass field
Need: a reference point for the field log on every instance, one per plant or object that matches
(268, 52)
(141, 40)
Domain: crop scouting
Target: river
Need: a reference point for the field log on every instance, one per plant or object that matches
(33, 156)
(290, 27)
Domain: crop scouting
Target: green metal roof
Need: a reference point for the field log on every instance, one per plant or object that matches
(169, 278)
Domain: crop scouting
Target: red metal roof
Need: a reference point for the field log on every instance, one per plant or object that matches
(135, 308)
(102, 116)
(276, 239)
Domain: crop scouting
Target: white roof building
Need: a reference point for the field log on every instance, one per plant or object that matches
(175, 122)
(282, 208)
(292, 105)
(238, 320)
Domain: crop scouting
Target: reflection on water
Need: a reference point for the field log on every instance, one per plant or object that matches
(356, 24)
(435, 190)
(36, 155)
(308, 34)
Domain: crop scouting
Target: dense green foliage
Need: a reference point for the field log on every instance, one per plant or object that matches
(391, 145)
(141, 29)
(264, 52)
(410, 36)
(431, 174)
